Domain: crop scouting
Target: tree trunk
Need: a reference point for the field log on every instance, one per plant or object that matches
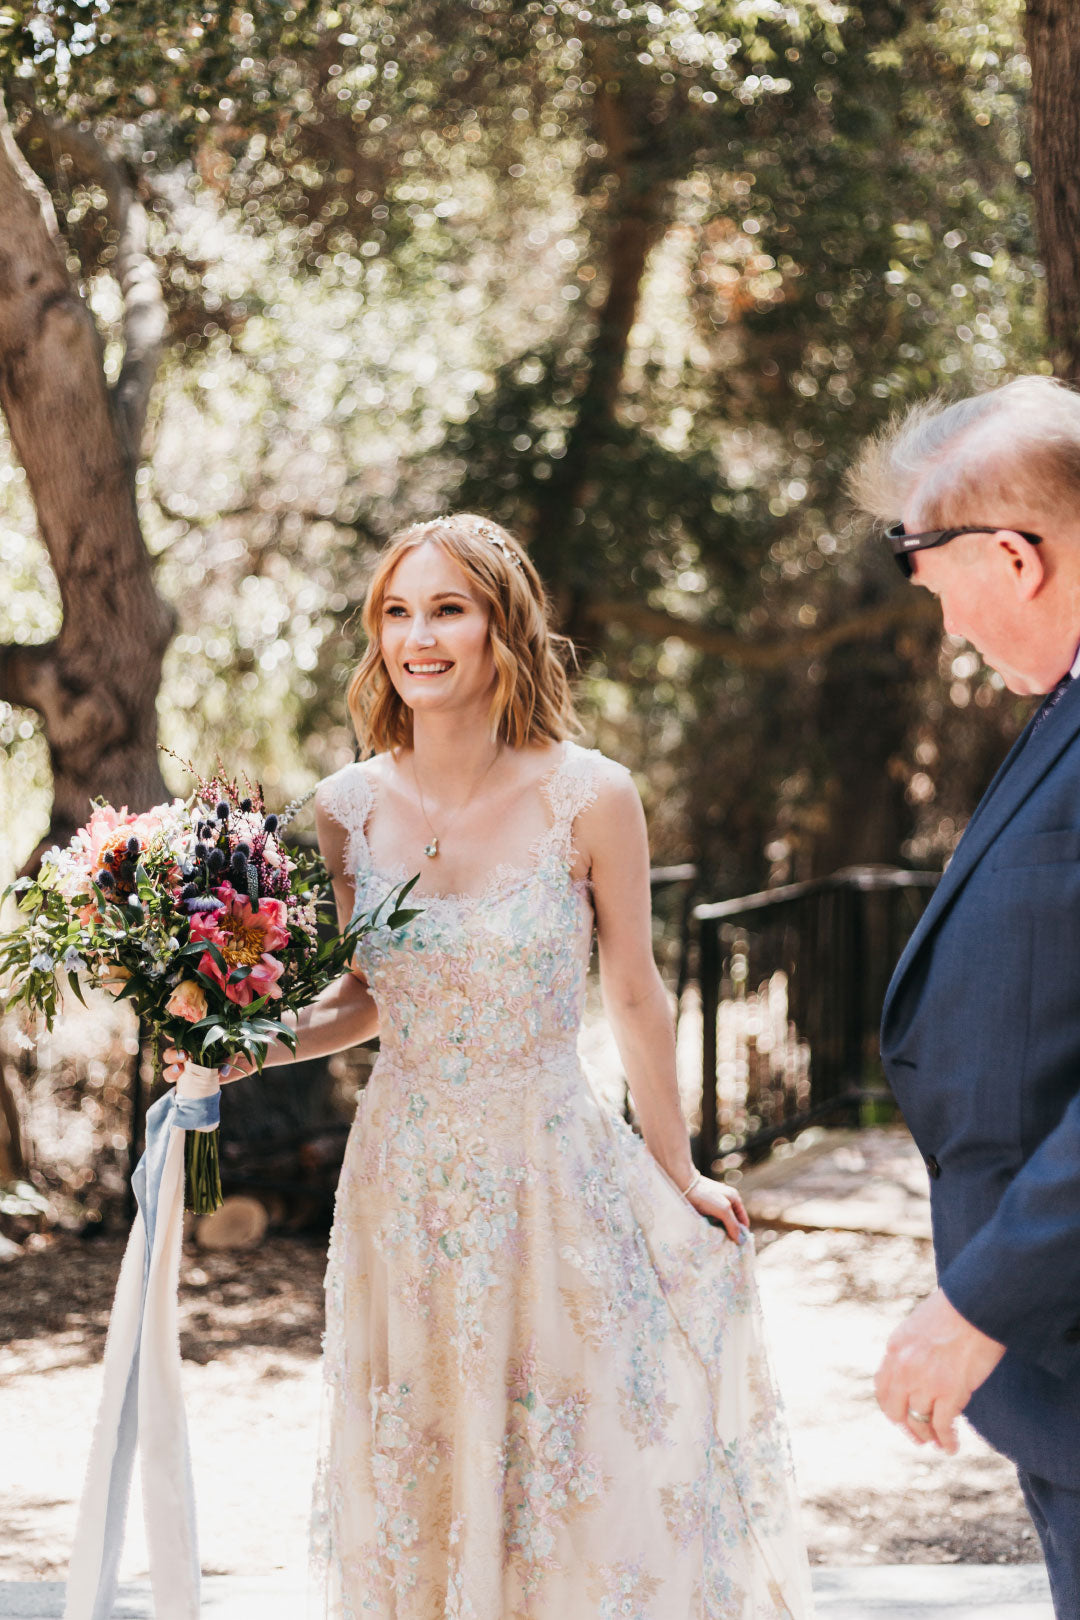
(94, 686)
(1053, 48)
(12, 1155)
(638, 221)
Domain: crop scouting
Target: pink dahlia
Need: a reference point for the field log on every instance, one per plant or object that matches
(245, 938)
(102, 835)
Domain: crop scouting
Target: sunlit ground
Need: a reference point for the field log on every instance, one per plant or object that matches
(251, 1329)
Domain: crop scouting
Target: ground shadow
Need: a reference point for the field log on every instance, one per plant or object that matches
(55, 1302)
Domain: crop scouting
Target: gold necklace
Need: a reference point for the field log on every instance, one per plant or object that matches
(432, 849)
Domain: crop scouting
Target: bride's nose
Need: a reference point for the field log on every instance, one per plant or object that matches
(420, 633)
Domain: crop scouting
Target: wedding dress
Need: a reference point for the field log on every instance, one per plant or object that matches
(546, 1395)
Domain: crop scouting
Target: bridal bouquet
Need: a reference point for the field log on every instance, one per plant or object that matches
(195, 912)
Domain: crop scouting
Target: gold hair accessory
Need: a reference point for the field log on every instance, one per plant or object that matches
(486, 531)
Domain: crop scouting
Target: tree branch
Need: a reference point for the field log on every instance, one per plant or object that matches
(145, 319)
(911, 613)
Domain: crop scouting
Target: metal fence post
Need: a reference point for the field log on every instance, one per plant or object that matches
(834, 940)
(709, 966)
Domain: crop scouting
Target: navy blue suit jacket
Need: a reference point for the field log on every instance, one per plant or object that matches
(980, 1038)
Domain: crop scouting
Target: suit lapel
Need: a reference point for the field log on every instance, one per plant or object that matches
(1022, 769)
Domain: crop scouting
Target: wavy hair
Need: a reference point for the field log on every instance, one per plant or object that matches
(532, 702)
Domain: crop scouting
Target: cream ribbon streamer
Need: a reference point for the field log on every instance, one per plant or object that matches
(141, 1405)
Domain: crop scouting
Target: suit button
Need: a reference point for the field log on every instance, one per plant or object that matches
(1072, 1334)
(933, 1167)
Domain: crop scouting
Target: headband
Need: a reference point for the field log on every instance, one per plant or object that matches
(485, 530)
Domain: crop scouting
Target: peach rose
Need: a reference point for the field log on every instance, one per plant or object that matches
(114, 978)
(188, 1001)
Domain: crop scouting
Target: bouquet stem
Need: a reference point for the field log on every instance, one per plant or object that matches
(202, 1158)
(202, 1172)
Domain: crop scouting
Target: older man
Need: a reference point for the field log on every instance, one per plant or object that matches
(981, 1026)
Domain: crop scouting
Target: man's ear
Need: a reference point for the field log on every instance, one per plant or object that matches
(1026, 566)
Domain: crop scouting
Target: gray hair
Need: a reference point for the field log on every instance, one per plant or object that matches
(992, 457)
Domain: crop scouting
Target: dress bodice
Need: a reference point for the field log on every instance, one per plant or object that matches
(491, 984)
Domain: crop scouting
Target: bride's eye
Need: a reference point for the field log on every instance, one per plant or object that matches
(451, 607)
(394, 611)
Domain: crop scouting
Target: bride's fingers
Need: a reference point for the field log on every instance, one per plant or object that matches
(719, 1208)
(235, 1069)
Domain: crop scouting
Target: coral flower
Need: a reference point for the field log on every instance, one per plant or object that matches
(188, 1001)
(245, 938)
(105, 835)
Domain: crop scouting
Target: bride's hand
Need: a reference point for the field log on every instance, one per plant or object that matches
(237, 1066)
(723, 1203)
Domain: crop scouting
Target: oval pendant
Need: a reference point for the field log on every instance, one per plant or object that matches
(432, 849)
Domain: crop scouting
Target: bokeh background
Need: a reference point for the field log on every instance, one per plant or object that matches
(634, 278)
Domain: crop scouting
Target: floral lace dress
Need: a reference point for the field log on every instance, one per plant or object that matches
(546, 1394)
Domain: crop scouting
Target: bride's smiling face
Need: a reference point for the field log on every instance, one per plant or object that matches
(434, 633)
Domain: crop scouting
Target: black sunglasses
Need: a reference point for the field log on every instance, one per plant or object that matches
(904, 544)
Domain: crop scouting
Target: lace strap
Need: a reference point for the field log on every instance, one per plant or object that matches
(571, 788)
(348, 796)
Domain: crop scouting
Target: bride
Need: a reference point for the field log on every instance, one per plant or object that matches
(546, 1394)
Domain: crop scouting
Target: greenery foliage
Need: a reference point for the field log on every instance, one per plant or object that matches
(635, 279)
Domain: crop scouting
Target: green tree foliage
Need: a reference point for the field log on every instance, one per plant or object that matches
(633, 277)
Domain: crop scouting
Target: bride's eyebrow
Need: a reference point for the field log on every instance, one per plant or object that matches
(439, 596)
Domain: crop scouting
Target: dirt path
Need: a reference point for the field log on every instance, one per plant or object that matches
(251, 1327)
(871, 1495)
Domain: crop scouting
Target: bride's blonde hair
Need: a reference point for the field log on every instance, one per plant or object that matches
(532, 701)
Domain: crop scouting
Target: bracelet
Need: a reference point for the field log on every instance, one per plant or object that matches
(693, 1183)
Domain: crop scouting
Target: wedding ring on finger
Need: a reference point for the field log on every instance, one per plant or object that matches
(917, 1417)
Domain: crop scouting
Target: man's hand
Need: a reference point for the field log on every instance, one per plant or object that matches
(932, 1366)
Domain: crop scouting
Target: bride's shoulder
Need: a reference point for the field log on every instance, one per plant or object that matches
(347, 793)
(605, 781)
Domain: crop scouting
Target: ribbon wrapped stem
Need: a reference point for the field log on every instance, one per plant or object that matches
(202, 1154)
(141, 1405)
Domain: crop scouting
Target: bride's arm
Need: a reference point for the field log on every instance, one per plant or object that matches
(342, 1015)
(613, 835)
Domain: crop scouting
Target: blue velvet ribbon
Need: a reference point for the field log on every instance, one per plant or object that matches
(167, 1114)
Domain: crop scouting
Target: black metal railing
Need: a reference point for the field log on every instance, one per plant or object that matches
(791, 982)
